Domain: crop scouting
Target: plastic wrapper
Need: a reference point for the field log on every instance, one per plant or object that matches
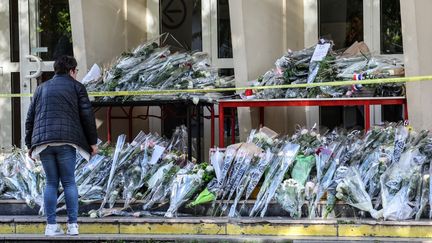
(323, 159)
(250, 180)
(291, 196)
(399, 185)
(371, 171)
(257, 172)
(160, 185)
(376, 137)
(425, 147)
(340, 174)
(2, 186)
(245, 157)
(114, 173)
(183, 188)
(274, 178)
(302, 168)
(119, 146)
(207, 195)
(151, 66)
(430, 192)
(263, 138)
(216, 160)
(179, 140)
(132, 182)
(230, 155)
(402, 134)
(23, 179)
(327, 163)
(297, 67)
(424, 195)
(146, 170)
(309, 140)
(351, 190)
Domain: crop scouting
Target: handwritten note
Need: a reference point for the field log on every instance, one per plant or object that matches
(320, 52)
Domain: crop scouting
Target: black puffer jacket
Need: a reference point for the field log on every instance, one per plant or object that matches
(61, 112)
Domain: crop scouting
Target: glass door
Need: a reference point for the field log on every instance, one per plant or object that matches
(197, 25)
(378, 24)
(45, 33)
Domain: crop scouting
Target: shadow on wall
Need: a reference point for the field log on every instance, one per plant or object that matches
(5, 119)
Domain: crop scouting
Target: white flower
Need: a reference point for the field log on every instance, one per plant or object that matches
(200, 173)
(93, 215)
(209, 168)
(195, 100)
(38, 169)
(313, 134)
(182, 172)
(195, 168)
(304, 131)
(269, 141)
(309, 188)
(190, 84)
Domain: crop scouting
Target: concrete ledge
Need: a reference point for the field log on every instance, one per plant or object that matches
(197, 238)
(282, 227)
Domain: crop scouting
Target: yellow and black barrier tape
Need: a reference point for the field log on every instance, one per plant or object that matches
(215, 90)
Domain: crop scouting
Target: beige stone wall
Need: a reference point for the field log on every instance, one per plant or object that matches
(5, 79)
(262, 31)
(417, 38)
(101, 31)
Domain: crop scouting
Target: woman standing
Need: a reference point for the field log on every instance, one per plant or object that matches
(60, 122)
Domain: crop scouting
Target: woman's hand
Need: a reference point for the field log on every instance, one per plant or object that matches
(95, 149)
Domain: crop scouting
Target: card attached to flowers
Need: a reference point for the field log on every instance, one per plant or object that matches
(320, 52)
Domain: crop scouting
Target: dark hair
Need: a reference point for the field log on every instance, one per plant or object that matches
(64, 64)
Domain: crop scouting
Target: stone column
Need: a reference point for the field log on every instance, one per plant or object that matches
(102, 31)
(417, 39)
(262, 31)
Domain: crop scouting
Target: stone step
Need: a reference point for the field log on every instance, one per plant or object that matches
(200, 238)
(210, 226)
(19, 207)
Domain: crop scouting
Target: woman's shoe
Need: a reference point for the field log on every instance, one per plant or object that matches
(53, 230)
(72, 229)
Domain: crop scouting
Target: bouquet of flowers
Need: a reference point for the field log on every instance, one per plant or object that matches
(291, 196)
(274, 177)
(186, 184)
(152, 66)
(356, 63)
(22, 178)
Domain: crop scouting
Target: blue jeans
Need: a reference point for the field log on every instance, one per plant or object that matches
(59, 165)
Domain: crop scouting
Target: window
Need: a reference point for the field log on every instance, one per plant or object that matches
(182, 19)
(14, 31)
(391, 27)
(341, 21)
(217, 33)
(50, 28)
(224, 30)
(378, 23)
